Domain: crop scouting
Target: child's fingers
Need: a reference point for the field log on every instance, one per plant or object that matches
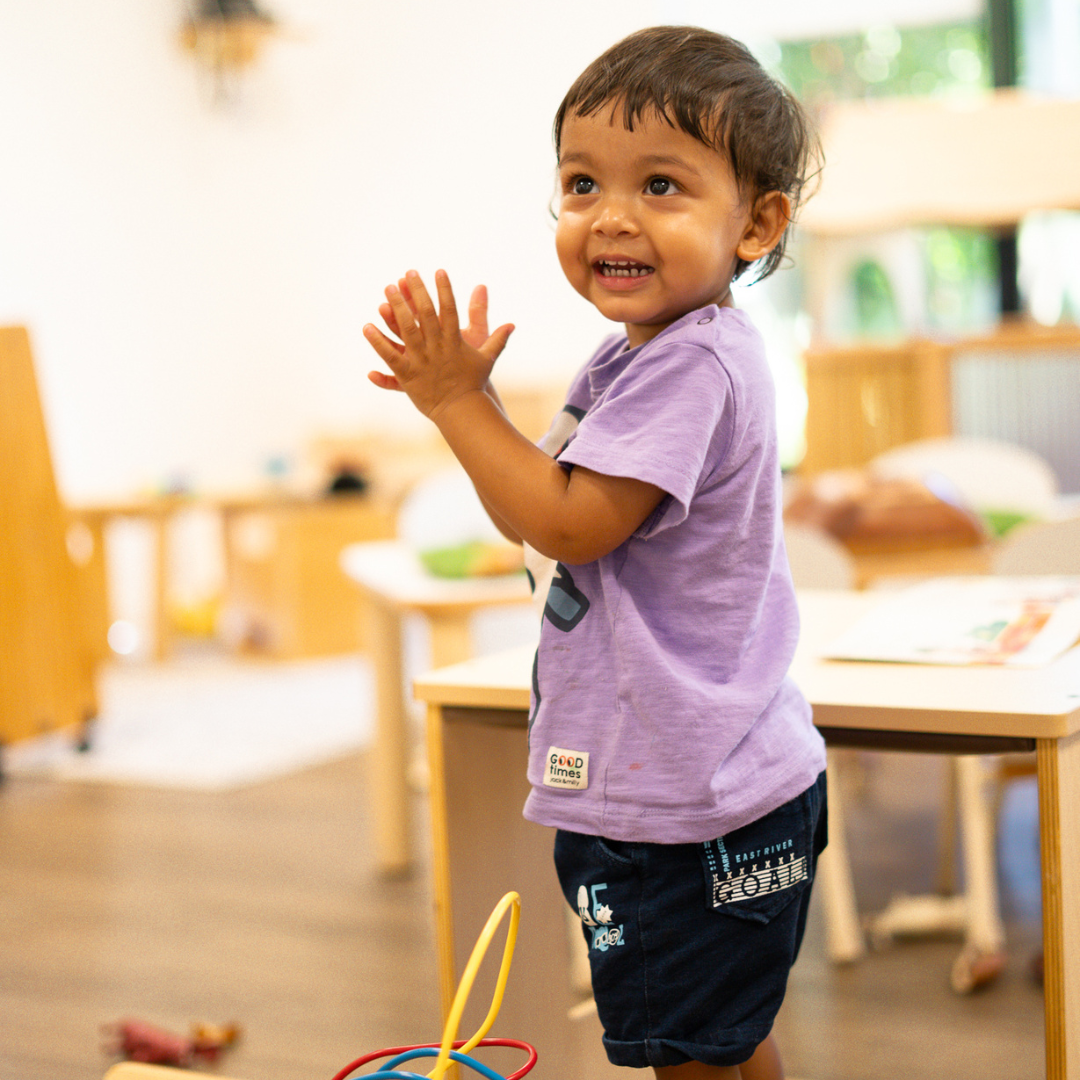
(497, 342)
(387, 313)
(478, 308)
(408, 330)
(403, 285)
(391, 324)
(423, 307)
(448, 315)
(388, 350)
(384, 381)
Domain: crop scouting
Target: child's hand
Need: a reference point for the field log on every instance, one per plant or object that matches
(436, 361)
(475, 334)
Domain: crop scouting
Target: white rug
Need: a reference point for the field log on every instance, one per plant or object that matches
(211, 723)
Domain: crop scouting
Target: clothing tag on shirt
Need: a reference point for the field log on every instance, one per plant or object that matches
(566, 769)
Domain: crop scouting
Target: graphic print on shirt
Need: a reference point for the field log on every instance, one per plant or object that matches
(560, 602)
(604, 935)
(747, 875)
(539, 568)
(565, 607)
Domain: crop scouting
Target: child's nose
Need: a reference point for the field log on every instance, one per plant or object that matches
(614, 217)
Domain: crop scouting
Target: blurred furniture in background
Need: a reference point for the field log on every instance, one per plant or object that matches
(285, 594)
(393, 583)
(930, 507)
(864, 399)
(891, 527)
(820, 562)
(987, 162)
(1044, 547)
(441, 512)
(984, 160)
(1020, 385)
(47, 656)
(989, 476)
(136, 1070)
(478, 712)
(984, 475)
(1050, 547)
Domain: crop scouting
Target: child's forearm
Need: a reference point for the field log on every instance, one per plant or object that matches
(503, 527)
(574, 516)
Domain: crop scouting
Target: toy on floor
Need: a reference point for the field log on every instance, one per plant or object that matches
(136, 1040)
(449, 1049)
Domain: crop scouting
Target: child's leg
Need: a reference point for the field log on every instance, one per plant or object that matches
(764, 1065)
(695, 1070)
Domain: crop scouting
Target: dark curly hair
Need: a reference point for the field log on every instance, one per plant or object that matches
(714, 89)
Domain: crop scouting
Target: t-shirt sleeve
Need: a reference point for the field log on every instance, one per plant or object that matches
(661, 421)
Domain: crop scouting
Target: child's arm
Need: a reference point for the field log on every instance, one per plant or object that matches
(574, 516)
(475, 334)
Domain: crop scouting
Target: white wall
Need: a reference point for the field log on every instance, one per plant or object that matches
(196, 277)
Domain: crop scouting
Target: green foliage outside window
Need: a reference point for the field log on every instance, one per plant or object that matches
(887, 61)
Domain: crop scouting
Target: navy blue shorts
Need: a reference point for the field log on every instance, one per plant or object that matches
(690, 944)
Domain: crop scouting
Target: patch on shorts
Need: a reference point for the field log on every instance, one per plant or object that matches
(598, 918)
(748, 875)
(566, 769)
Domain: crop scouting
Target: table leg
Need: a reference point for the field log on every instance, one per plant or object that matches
(389, 784)
(1059, 840)
(440, 863)
(844, 939)
(983, 955)
(481, 848)
(451, 642)
(159, 523)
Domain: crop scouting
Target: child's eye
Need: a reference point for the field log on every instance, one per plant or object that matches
(581, 185)
(661, 185)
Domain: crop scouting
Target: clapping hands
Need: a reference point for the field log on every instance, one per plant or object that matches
(434, 362)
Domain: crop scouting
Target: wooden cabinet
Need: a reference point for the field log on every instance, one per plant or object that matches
(286, 593)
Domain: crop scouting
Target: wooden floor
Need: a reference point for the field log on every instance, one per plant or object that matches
(262, 906)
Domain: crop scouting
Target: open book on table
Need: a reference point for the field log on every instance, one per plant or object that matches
(1011, 621)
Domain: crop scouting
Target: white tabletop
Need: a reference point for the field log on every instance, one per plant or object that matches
(391, 571)
(1025, 703)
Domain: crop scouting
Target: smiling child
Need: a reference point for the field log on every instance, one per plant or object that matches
(668, 745)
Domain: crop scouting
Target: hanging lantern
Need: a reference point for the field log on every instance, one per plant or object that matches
(227, 35)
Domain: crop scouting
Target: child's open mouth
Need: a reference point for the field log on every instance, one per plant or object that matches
(622, 268)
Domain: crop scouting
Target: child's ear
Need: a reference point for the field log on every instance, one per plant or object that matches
(768, 220)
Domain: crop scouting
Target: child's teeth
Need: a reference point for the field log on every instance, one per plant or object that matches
(617, 270)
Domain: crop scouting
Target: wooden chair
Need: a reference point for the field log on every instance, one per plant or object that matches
(47, 662)
(819, 562)
(1045, 547)
(989, 475)
(865, 399)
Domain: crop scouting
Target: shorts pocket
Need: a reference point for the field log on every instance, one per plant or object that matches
(754, 872)
(618, 851)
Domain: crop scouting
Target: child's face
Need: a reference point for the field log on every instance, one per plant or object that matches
(651, 221)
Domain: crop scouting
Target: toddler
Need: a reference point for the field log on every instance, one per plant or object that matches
(668, 746)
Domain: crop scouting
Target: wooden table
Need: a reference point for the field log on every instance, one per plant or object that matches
(394, 584)
(351, 517)
(483, 847)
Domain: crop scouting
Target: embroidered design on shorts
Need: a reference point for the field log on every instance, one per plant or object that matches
(750, 874)
(598, 919)
(566, 769)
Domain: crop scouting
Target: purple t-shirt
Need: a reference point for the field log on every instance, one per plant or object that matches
(662, 708)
